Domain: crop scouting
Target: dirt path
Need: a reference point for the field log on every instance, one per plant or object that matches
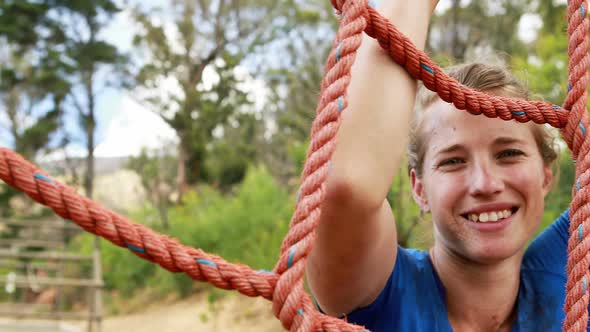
(230, 314)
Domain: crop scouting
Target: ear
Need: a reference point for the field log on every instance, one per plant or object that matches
(547, 179)
(418, 191)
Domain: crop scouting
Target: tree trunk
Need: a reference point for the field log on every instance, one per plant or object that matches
(90, 127)
(457, 50)
(163, 215)
(181, 171)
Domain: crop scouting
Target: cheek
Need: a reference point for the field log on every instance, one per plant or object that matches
(526, 179)
(444, 190)
(529, 184)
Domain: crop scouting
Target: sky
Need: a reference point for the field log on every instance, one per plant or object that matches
(124, 126)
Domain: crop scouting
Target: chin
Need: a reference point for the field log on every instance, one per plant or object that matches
(491, 252)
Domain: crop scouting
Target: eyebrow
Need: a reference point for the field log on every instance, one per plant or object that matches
(502, 140)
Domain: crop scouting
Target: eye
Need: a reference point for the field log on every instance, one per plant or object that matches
(508, 153)
(451, 161)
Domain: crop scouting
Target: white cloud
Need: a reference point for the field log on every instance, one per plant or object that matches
(133, 128)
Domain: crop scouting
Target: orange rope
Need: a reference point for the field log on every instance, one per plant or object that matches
(284, 286)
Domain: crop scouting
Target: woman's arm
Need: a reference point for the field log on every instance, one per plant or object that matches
(356, 242)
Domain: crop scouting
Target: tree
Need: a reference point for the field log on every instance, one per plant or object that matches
(195, 38)
(294, 84)
(33, 81)
(32, 75)
(231, 154)
(468, 30)
(545, 64)
(94, 60)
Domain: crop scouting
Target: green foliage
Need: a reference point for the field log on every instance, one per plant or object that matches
(560, 196)
(246, 227)
(413, 227)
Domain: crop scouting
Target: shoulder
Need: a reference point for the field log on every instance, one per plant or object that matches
(548, 252)
(411, 294)
(541, 300)
(543, 277)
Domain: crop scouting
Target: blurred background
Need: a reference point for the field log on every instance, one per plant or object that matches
(193, 117)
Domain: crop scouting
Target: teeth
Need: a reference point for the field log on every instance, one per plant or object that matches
(493, 216)
(489, 216)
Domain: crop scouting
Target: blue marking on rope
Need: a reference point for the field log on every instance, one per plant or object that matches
(338, 50)
(583, 129)
(340, 103)
(372, 3)
(555, 107)
(291, 255)
(519, 113)
(134, 248)
(578, 186)
(44, 178)
(582, 11)
(428, 69)
(300, 312)
(264, 272)
(206, 262)
(580, 232)
(584, 283)
(569, 86)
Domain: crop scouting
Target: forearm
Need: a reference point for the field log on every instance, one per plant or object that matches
(372, 138)
(356, 232)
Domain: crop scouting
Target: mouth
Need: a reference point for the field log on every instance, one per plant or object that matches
(495, 216)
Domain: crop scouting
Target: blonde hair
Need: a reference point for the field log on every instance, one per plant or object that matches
(484, 77)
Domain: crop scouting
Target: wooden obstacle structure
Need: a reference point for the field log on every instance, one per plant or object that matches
(34, 259)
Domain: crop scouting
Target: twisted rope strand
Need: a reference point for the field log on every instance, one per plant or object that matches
(142, 241)
(577, 296)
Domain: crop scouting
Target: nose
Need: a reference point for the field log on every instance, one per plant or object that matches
(485, 179)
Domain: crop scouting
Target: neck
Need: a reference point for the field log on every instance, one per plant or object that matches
(479, 297)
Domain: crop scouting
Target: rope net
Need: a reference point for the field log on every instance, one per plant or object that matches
(284, 285)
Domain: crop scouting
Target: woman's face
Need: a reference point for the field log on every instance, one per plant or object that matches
(484, 182)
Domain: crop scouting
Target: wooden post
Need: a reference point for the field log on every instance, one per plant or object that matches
(96, 307)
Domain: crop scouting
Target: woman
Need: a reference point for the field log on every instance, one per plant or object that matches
(484, 182)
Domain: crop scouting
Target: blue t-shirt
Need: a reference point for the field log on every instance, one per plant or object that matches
(414, 297)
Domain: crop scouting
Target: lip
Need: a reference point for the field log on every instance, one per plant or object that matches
(491, 207)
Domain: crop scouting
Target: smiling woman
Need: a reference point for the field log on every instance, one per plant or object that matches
(484, 181)
(488, 179)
